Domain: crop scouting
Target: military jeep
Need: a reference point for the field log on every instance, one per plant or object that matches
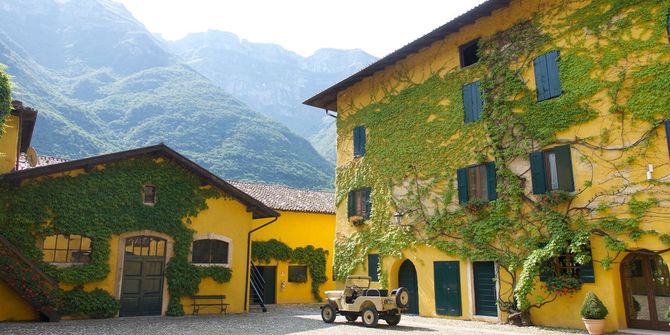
(358, 299)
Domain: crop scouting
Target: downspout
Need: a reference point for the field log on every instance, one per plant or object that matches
(246, 288)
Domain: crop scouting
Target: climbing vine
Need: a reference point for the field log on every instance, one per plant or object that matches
(612, 54)
(5, 97)
(107, 202)
(314, 258)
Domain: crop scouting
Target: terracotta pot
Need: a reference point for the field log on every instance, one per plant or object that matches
(595, 327)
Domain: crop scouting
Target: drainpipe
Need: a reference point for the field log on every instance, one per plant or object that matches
(246, 288)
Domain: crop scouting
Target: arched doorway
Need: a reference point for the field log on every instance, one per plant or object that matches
(646, 291)
(407, 279)
(143, 276)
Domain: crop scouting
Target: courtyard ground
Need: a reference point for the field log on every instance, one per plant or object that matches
(284, 319)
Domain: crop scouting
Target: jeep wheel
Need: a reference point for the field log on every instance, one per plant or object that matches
(351, 317)
(402, 297)
(328, 313)
(393, 319)
(370, 317)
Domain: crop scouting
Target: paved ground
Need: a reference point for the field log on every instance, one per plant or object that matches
(293, 319)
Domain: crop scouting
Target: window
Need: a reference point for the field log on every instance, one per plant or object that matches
(145, 246)
(477, 183)
(210, 251)
(66, 249)
(667, 133)
(469, 53)
(149, 194)
(373, 265)
(297, 273)
(547, 77)
(566, 266)
(472, 102)
(668, 26)
(359, 203)
(552, 170)
(359, 141)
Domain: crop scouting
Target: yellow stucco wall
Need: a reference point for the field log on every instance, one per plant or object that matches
(444, 55)
(299, 229)
(225, 217)
(9, 144)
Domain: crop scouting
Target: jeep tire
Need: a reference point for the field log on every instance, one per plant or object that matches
(393, 319)
(328, 313)
(351, 317)
(370, 317)
(402, 297)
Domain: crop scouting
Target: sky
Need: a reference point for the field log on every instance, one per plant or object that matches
(377, 26)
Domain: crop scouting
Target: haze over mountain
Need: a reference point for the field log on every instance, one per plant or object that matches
(273, 80)
(103, 83)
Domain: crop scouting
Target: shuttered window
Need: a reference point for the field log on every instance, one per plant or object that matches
(565, 265)
(552, 170)
(373, 265)
(477, 183)
(667, 134)
(547, 77)
(359, 203)
(297, 273)
(359, 141)
(472, 102)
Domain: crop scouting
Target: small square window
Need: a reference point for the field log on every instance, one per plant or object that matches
(297, 274)
(149, 194)
(469, 53)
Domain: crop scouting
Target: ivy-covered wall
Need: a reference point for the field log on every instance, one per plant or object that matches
(614, 74)
(106, 202)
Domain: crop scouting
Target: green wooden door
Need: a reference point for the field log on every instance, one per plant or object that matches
(447, 288)
(143, 276)
(407, 279)
(270, 288)
(485, 288)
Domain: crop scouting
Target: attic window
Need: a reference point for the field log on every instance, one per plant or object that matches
(149, 195)
(469, 53)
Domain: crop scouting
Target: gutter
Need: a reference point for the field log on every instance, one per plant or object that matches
(246, 288)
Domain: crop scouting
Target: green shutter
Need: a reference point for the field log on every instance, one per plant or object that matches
(447, 280)
(462, 178)
(478, 103)
(351, 204)
(668, 26)
(564, 166)
(553, 75)
(537, 172)
(546, 271)
(468, 103)
(368, 202)
(541, 77)
(667, 134)
(491, 180)
(373, 265)
(359, 141)
(586, 272)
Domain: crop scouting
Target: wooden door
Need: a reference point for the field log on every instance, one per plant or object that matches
(646, 290)
(447, 288)
(270, 287)
(143, 276)
(407, 279)
(484, 274)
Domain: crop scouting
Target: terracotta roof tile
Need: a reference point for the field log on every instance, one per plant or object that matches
(285, 198)
(41, 161)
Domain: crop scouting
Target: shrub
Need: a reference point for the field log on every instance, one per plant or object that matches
(95, 304)
(593, 308)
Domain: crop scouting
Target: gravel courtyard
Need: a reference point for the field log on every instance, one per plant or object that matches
(285, 319)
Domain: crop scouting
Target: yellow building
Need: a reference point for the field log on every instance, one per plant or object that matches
(511, 160)
(137, 232)
(307, 219)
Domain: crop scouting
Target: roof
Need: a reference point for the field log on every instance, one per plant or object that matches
(255, 206)
(28, 117)
(290, 199)
(327, 99)
(41, 161)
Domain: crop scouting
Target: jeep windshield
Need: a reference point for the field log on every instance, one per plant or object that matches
(359, 281)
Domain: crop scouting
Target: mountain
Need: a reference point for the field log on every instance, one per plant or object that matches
(273, 80)
(103, 83)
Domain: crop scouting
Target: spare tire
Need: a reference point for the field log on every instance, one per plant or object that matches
(401, 297)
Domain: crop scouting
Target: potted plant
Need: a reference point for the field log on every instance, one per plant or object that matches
(593, 314)
(356, 219)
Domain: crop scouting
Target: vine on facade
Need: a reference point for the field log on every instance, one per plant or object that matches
(627, 69)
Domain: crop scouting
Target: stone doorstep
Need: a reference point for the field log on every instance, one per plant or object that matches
(642, 332)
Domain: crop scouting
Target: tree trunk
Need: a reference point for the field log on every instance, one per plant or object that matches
(520, 318)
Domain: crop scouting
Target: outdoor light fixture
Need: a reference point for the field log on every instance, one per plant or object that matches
(397, 217)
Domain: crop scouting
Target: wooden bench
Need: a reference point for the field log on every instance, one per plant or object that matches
(207, 301)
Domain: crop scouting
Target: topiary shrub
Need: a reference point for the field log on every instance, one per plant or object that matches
(593, 308)
(95, 304)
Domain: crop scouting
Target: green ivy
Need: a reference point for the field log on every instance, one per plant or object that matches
(107, 202)
(5, 97)
(95, 304)
(517, 231)
(314, 258)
